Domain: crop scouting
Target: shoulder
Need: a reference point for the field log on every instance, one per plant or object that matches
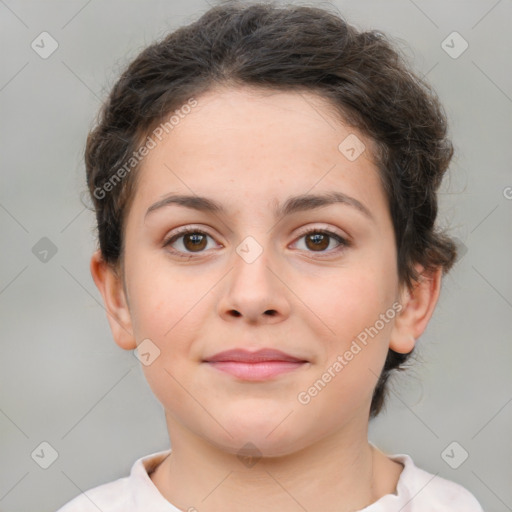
(109, 497)
(128, 494)
(426, 491)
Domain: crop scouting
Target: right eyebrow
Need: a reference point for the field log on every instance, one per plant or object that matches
(195, 202)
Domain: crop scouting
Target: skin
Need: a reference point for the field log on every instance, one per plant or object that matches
(250, 150)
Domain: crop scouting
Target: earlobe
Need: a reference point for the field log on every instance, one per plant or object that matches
(418, 306)
(110, 285)
(402, 343)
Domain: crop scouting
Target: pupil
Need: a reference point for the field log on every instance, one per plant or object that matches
(196, 239)
(318, 239)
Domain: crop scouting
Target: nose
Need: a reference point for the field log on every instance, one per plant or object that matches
(255, 290)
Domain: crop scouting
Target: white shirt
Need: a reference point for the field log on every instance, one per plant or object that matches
(417, 491)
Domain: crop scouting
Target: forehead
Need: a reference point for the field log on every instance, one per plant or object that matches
(245, 142)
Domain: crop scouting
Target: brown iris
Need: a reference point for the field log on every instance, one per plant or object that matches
(198, 241)
(321, 241)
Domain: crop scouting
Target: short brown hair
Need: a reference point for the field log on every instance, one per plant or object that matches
(287, 48)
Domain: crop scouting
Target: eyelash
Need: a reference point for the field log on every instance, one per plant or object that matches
(343, 243)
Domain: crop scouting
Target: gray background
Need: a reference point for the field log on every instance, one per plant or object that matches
(62, 378)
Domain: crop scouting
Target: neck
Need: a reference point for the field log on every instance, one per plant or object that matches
(335, 470)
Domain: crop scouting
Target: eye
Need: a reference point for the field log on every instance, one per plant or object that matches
(318, 240)
(192, 240)
(189, 240)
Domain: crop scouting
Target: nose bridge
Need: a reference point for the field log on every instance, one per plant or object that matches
(251, 266)
(253, 288)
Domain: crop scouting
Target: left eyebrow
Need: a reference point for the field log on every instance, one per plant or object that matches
(312, 201)
(291, 205)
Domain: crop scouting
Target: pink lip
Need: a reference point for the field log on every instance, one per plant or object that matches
(254, 366)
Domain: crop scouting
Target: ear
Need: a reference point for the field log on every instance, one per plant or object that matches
(111, 288)
(418, 305)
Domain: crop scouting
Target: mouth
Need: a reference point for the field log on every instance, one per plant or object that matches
(255, 366)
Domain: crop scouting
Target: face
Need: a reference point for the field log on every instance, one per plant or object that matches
(308, 278)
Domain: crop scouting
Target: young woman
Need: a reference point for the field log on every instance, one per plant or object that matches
(265, 182)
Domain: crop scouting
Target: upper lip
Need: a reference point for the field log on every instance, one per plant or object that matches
(245, 356)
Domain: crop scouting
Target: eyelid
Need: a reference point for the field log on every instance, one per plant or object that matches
(325, 228)
(344, 242)
(180, 232)
(183, 230)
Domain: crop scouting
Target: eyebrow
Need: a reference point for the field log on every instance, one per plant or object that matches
(291, 205)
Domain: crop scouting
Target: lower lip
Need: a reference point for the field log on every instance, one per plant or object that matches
(256, 371)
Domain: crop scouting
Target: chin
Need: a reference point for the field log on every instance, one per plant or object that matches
(258, 447)
(262, 437)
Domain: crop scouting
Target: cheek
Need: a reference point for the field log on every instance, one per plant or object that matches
(359, 311)
(346, 378)
(355, 298)
(165, 310)
(163, 301)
